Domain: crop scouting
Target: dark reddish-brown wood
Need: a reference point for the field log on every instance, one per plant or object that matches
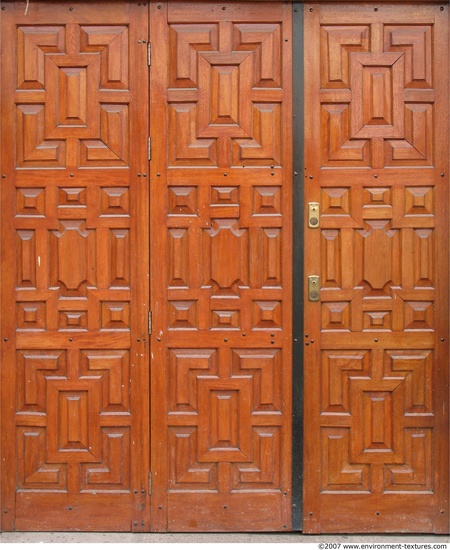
(376, 360)
(221, 234)
(75, 410)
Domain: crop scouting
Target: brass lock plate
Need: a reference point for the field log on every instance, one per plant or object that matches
(313, 215)
(314, 288)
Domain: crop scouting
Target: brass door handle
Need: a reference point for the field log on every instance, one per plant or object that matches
(314, 288)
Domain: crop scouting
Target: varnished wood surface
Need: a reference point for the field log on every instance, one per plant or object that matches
(75, 411)
(376, 345)
(221, 226)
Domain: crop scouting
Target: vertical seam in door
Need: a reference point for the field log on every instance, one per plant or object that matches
(297, 216)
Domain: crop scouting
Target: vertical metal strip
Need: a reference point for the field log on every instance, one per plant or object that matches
(298, 219)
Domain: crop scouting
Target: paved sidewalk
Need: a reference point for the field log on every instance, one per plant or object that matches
(211, 538)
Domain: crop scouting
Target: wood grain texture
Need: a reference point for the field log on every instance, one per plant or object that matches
(221, 184)
(376, 429)
(74, 273)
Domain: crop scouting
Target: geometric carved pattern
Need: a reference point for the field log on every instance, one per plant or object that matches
(377, 400)
(380, 111)
(375, 343)
(225, 282)
(215, 67)
(63, 394)
(218, 420)
(69, 125)
(77, 214)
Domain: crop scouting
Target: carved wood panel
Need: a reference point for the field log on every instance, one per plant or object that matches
(377, 161)
(74, 305)
(221, 429)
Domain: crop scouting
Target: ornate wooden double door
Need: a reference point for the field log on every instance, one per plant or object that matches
(146, 255)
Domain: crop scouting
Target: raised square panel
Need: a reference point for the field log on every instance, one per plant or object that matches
(336, 316)
(31, 316)
(72, 196)
(225, 320)
(114, 201)
(183, 201)
(267, 201)
(419, 201)
(377, 320)
(30, 202)
(183, 314)
(376, 196)
(221, 196)
(115, 316)
(419, 315)
(73, 320)
(266, 314)
(335, 201)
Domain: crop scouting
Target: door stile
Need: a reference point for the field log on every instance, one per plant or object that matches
(158, 263)
(8, 374)
(140, 265)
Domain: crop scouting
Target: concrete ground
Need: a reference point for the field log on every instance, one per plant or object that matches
(212, 538)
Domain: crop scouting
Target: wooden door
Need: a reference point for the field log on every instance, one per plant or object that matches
(220, 242)
(75, 448)
(376, 344)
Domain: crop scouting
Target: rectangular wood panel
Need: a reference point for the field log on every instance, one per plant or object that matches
(74, 267)
(376, 344)
(221, 234)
